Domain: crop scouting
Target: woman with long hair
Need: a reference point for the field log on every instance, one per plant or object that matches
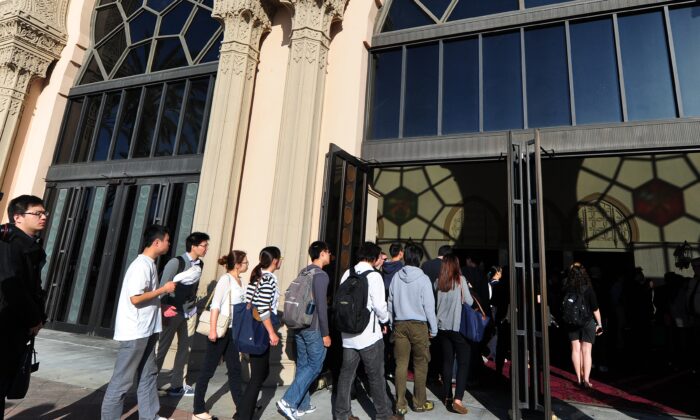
(452, 292)
(263, 293)
(582, 337)
(228, 293)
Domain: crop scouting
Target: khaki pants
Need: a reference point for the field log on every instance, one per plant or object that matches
(411, 336)
(185, 329)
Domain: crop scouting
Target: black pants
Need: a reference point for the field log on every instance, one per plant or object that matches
(229, 349)
(259, 369)
(454, 344)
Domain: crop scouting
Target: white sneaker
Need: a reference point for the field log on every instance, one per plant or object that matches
(163, 418)
(286, 410)
(309, 410)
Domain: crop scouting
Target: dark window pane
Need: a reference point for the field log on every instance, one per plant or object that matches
(169, 54)
(472, 8)
(130, 6)
(135, 61)
(646, 68)
(92, 73)
(405, 14)
(159, 5)
(193, 119)
(535, 3)
(142, 26)
(112, 50)
(106, 20)
(437, 7)
(386, 95)
(69, 130)
(103, 2)
(147, 122)
(87, 128)
(106, 127)
(201, 30)
(213, 51)
(420, 118)
(594, 68)
(126, 124)
(173, 21)
(503, 92)
(167, 131)
(208, 3)
(685, 24)
(547, 77)
(460, 91)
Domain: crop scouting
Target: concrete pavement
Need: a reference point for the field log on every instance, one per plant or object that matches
(75, 369)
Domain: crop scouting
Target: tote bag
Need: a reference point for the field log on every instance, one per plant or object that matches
(473, 322)
(252, 337)
(222, 322)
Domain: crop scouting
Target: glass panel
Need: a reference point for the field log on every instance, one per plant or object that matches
(405, 14)
(194, 115)
(472, 8)
(142, 26)
(87, 128)
(535, 3)
(208, 3)
(685, 24)
(69, 130)
(130, 6)
(147, 123)
(159, 5)
(106, 128)
(186, 216)
(135, 61)
(106, 20)
(169, 54)
(167, 131)
(645, 64)
(111, 51)
(126, 124)
(547, 77)
(386, 95)
(436, 7)
(503, 96)
(594, 68)
(92, 72)
(213, 51)
(55, 225)
(422, 66)
(174, 20)
(460, 90)
(200, 31)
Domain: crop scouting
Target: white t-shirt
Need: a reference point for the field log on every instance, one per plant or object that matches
(225, 285)
(134, 322)
(376, 302)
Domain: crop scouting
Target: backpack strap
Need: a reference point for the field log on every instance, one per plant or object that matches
(181, 263)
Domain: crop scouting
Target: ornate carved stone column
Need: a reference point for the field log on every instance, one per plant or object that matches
(244, 22)
(297, 153)
(32, 35)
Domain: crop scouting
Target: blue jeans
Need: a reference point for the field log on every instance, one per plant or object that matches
(310, 356)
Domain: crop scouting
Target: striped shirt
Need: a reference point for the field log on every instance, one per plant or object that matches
(266, 296)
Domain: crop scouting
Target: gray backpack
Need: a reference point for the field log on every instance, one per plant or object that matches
(299, 305)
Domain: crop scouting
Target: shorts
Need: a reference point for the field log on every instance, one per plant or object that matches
(585, 333)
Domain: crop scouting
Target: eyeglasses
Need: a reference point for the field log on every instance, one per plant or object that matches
(204, 245)
(245, 262)
(38, 213)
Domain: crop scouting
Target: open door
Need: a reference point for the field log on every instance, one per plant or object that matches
(529, 314)
(344, 209)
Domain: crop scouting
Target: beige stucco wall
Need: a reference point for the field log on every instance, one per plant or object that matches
(44, 106)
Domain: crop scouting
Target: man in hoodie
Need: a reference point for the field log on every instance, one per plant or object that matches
(412, 315)
(389, 268)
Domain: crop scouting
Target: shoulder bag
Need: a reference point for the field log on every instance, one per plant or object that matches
(474, 321)
(222, 322)
(251, 335)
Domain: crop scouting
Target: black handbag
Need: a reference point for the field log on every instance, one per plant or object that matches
(28, 364)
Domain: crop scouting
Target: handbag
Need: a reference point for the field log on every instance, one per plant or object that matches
(250, 333)
(473, 321)
(222, 322)
(19, 384)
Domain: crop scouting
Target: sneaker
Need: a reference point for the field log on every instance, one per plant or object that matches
(163, 418)
(286, 410)
(309, 410)
(182, 391)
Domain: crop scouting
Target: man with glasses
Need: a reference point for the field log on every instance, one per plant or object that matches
(21, 296)
(180, 310)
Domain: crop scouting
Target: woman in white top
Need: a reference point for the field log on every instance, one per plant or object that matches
(228, 293)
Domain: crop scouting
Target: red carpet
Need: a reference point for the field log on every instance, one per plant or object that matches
(612, 394)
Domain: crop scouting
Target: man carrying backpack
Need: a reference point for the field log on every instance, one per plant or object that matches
(307, 296)
(359, 307)
(180, 310)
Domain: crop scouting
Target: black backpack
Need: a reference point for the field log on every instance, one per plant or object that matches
(185, 294)
(350, 313)
(574, 310)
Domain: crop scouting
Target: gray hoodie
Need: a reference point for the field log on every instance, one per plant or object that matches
(411, 298)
